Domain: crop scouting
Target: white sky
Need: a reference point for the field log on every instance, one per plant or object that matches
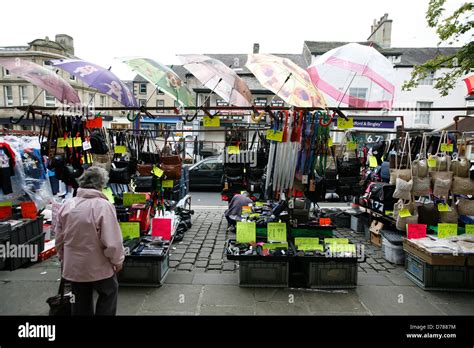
(105, 29)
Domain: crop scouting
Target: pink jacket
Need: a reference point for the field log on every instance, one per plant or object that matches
(88, 237)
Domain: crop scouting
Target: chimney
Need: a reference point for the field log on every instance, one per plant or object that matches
(67, 42)
(256, 48)
(381, 32)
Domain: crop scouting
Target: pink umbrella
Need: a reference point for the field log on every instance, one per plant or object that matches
(43, 78)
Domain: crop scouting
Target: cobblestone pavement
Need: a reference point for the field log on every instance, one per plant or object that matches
(202, 248)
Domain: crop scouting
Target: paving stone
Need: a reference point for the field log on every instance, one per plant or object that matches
(214, 267)
(228, 267)
(200, 264)
(378, 267)
(176, 257)
(186, 266)
(173, 264)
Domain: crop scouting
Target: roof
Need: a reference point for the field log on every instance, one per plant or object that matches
(409, 56)
(465, 124)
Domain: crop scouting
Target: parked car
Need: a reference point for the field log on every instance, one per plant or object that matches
(207, 173)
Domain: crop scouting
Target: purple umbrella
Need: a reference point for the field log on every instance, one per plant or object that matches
(99, 78)
(43, 78)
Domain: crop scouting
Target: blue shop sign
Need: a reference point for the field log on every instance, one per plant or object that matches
(376, 124)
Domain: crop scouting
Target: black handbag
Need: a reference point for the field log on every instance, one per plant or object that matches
(319, 193)
(148, 156)
(348, 167)
(60, 304)
(98, 143)
(119, 175)
(145, 183)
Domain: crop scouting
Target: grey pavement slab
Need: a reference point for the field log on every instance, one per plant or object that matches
(373, 279)
(130, 300)
(179, 278)
(216, 279)
(395, 300)
(278, 308)
(227, 310)
(278, 295)
(172, 298)
(26, 297)
(334, 302)
(228, 295)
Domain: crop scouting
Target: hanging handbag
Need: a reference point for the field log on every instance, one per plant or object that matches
(347, 163)
(171, 164)
(403, 187)
(421, 186)
(402, 222)
(147, 156)
(144, 183)
(466, 207)
(398, 172)
(443, 161)
(449, 217)
(420, 165)
(428, 214)
(462, 186)
(460, 165)
(98, 141)
(144, 169)
(441, 186)
(60, 304)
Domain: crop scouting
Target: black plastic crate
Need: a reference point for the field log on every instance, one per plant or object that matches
(26, 231)
(17, 262)
(148, 271)
(331, 274)
(5, 231)
(445, 278)
(394, 237)
(263, 274)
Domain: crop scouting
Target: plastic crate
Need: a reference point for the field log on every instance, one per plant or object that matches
(263, 274)
(392, 252)
(357, 223)
(337, 274)
(445, 278)
(343, 220)
(144, 271)
(17, 262)
(26, 231)
(394, 237)
(316, 231)
(5, 231)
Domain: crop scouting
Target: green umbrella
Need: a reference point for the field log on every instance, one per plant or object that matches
(163, 78)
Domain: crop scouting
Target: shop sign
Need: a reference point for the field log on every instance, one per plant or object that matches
(361, 123)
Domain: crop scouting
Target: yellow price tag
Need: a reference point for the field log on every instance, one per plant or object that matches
(388, 212)
(447, 147)
(108, 193)
(254, 215)
(6, 204)
(310, 247)
(336, 240)
(373, 162)
(343, 124)
(275, 135)
(89, 159)
(133, 198)
(432, 163)
(447, 230)
(330, 142)
(272, 246)
(351, 145)
(276, 232)
(469, 229)
(259, 204)
(167, 183)
(61, 142)
(404, 213)
(76, 142)
(444, 207)
(211, 122)
(306, 241)
(233, 150)
(246, 232)
(157, 172)
(120, 149)
(130, 229)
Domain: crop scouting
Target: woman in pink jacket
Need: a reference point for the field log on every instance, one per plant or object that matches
(90, 246)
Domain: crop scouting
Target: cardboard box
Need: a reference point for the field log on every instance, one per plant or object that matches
(435, 259)
(376, 238)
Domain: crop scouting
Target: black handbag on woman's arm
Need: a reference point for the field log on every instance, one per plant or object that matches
(61, 304)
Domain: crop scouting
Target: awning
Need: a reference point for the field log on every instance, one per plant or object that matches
(470, 84)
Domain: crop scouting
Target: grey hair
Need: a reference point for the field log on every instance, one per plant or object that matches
(94, 178)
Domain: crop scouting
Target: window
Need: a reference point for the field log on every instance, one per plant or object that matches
(278, 103)
(91, 99)
(208, 165)
(7, 91)
(159, 104)
(428, 80)
(159, 91)
(142, 102)
(221, 102)
(423, 117)
(49, 99)
(6, 72)
(142, 88)
(103, 100)
(260, 102)
(24, 95)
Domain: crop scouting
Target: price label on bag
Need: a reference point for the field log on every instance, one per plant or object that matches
(306, 241)
(415, 231)
(470, 229)
(432, 163)
(275, 135)
(273, 246)
(373, 162)
(130, 229)
(86, 145)
(246, 232)
(310, 247)
(330, 142)
(167, 183)
(120, 149)
(447, 230)
(211, 121)
(444, 207)
(342, 248)
(404, 213)
(157, 171)
(304, 179)
(343, 124)
(233, 150)
(276, 232)
(351, 145)
(76, 142)
(336, 241)
(447, 147)
(133, 198)
(64, 142)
